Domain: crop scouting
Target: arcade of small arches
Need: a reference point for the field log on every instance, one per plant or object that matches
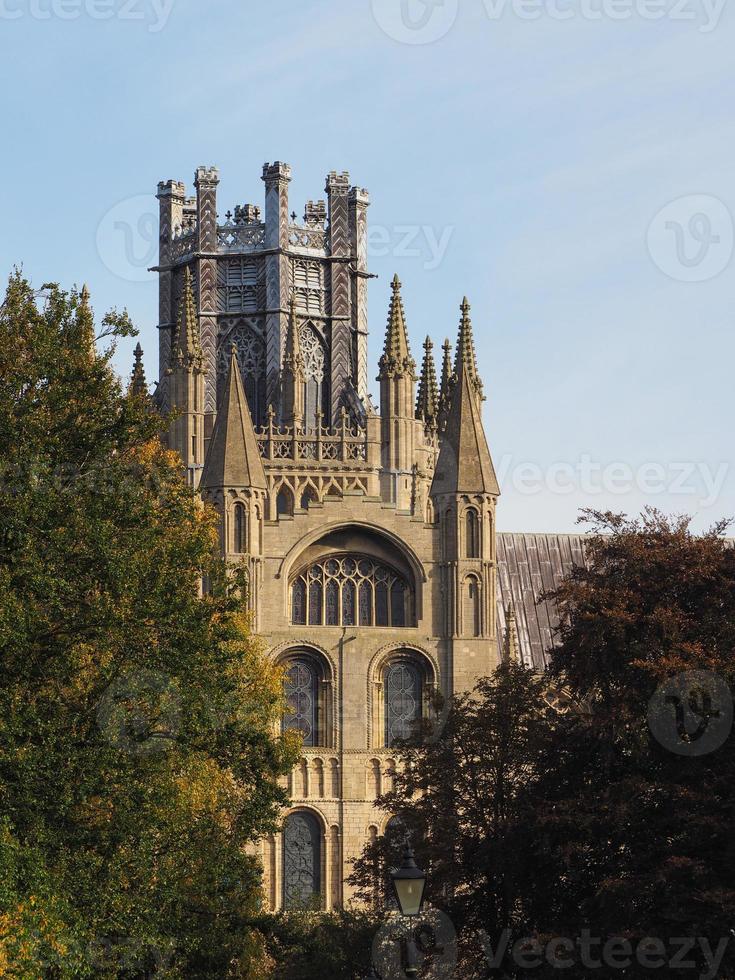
(303, 863)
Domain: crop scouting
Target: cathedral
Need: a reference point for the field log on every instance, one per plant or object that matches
(368, 533)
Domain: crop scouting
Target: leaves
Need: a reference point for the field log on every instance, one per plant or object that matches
(137, 748)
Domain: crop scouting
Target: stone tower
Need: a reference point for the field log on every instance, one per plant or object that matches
(368, 537)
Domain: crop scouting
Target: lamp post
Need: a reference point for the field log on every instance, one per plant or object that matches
(408, 883)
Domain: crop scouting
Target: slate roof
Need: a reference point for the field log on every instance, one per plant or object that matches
(529, 564)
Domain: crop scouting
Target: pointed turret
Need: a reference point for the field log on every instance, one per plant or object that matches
(396, 359)
(447, 385)
(400, 430)
(511, 649)
(186, 350)
(464, 464)
(233, 459)
(293, 371)
(466, 349)
(427, 400)
(138, 384)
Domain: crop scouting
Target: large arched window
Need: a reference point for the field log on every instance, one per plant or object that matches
(301, 691)
(403, 700)
(472, 534)
(302, 859)
(351, 590)
(239, 529)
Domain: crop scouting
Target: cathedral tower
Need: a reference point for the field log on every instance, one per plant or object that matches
(368, 536)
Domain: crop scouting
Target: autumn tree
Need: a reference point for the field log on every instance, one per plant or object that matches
(137, 754)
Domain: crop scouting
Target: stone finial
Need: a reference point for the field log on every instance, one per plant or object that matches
(138, 384)
(466, 349)
(396, 358)
(293, 360)
(512, 648)
(186, 350)
(448, 380)
(427, 399)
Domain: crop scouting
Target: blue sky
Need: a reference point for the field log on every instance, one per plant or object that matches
(521, 152)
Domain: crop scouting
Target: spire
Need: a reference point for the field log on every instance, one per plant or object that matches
(186, 350)
(511, 649)
(427, 400)
(396, 359)
(138, 384)
(85, 324)
(466, 348)
(448, 381)
(464, 464)
(233, 458)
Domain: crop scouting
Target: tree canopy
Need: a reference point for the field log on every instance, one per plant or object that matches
(138, 754)
(611, 820)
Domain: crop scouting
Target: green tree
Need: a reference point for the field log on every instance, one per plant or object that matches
(137, 754)
(460, 797)
(635, 830)
(602, 820)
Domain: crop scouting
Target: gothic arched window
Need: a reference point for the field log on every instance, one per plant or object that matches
(251, 359)
(315, 386)
(301, 691)
(302, 859)
(403, 700)
(239, 529)
(472, 534)
(345, 590)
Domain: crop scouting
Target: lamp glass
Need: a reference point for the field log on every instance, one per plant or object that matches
(410, 893)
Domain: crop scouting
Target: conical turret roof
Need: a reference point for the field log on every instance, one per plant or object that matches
(233, 458)
(464, 464)
(396, 358)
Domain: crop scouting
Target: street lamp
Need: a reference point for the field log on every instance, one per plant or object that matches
(408, 883)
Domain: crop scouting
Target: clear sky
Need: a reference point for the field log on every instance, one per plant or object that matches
(568, 164)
